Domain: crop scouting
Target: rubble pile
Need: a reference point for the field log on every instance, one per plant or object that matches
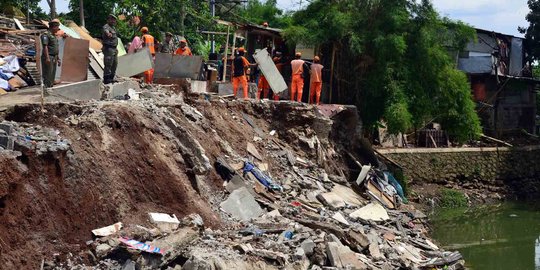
(31, 138)
(286, 202)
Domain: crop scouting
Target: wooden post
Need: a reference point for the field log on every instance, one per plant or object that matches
(233, 47)
(332, 72)
(226, 55)
(81, 13)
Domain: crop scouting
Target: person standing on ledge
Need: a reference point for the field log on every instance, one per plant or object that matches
(110, 52)
(49, 54)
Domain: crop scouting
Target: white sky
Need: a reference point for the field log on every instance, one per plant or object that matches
(498, 15)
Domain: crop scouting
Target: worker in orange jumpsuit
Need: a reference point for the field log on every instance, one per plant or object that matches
(184, 49)
(297, 81)
(148, 41)
(240, 67)
(264, 87)
(315, 81)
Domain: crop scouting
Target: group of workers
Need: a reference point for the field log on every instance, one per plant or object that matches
(241, 68)
(240, 65)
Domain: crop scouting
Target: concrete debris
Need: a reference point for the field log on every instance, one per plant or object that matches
(106, 231)
(372, 211)
(242, 205)
(293, 210)
(164, 222)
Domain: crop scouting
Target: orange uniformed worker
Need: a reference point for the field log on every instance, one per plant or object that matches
(315, 81)
(239, 69)
(264, 87)
(297, 81)
(148, 41)
(183, 49)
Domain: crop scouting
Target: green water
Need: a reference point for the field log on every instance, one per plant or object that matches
(494, 237)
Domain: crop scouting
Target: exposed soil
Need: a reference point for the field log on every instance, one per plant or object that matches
(123, 163)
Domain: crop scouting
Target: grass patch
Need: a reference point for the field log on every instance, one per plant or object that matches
(452, 198)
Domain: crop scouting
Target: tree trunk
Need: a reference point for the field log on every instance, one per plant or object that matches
(52, 6)
(81, 13)
(182, 16)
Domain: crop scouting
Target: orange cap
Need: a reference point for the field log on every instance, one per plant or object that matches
(183, 40)
(316, 58)
(241, 49)
(298, 54)
(144, 29)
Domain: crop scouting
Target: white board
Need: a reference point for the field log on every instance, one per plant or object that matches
(270, 71)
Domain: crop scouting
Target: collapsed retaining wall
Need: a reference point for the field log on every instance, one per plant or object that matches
(517, 167)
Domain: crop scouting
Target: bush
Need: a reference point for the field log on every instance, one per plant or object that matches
(452, 199)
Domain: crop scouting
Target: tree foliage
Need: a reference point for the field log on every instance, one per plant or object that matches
(393, 61)
(183, 17)
(532, 32)
(13, 7)
(258, 12)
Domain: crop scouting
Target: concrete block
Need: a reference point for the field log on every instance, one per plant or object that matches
(198, 87)
(108, 230)
(7, 128)
(343, 257)
(308, 246)
(164, 222)
(6, 142)
(86, 90)
(242, 205)
(236, 182)
(372, 211)
(120, 89)
(179, 84)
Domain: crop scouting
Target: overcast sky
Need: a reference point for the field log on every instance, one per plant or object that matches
(498, 15)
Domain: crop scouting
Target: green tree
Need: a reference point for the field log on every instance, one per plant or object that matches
(19, 8)
(184, 17)
(532, 32)
(393, 62)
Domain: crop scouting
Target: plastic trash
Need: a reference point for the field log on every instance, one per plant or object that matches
(392, 181)
(263, 178)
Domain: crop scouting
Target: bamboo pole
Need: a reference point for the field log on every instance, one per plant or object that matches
(226, 55)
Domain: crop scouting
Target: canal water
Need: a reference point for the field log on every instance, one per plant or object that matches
(492, 237)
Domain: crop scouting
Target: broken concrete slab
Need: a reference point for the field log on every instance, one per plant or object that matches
(340, 196)
(108, 230)
(308, 245)
(343, 257)
(235, 183)
(121, 89)
(199, 87)
(252, 150)
(7, 128)
(164, 222)
(179, 84)
(340, 218)
(363, 174)
(86, 90)
(242, 205)
(177, 66)
(270, 71)
(134, 63)
(7, 142)
(372, 211)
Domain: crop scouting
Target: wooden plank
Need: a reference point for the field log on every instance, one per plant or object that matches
(75, 60)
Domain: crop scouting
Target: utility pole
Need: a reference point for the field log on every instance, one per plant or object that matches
(81, 12)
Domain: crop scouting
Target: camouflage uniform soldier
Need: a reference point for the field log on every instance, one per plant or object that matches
(49, 54)
(110, 52)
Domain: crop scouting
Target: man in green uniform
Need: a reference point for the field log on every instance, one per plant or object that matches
(110, 41)
(49, 54)
(168, 44)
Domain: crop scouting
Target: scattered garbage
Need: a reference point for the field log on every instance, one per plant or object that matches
(134, 244)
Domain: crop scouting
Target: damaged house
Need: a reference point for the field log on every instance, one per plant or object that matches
(501, 82)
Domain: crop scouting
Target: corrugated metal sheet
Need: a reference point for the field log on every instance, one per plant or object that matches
(516, 57)
(476, 64)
